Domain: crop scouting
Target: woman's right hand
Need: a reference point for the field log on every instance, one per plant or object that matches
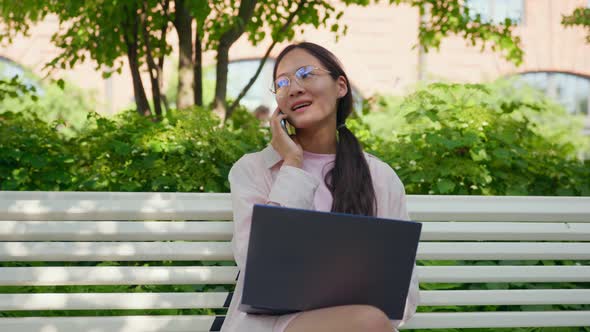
(287, 146)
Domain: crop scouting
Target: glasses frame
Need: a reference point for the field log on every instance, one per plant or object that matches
(288, 77)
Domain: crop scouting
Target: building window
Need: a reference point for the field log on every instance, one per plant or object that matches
(497, 11)
(239, 74)
(9, 69)
(572, 91)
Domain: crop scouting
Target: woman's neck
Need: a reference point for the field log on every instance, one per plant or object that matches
(318, 140)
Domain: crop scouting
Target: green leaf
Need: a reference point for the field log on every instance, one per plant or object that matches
(61, 83)
(445, 186)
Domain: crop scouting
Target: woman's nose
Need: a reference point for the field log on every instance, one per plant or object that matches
(295, 88)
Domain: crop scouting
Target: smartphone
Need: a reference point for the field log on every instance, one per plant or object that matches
(287, 127)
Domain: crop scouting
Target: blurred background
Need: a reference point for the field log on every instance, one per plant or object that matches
(379, 52)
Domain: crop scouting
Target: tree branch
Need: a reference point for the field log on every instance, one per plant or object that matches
(264, 58)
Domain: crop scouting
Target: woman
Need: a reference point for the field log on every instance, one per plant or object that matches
(321, 167)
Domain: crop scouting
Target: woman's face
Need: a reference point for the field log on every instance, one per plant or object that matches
(318, 89)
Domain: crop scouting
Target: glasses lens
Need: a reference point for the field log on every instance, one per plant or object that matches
(304, 73)
(280, 85)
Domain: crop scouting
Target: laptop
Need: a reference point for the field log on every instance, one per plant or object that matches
(302, 260)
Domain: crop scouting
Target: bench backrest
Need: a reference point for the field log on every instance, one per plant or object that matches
(182, 232)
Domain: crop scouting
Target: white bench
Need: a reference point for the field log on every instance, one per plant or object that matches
(92, 227)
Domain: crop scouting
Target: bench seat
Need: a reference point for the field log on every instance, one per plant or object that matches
(468, 240)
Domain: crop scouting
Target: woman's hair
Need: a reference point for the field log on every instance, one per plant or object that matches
(350, 179)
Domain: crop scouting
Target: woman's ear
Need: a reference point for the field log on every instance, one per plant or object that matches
(342, 86)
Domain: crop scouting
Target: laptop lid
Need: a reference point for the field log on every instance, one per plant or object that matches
(302, 260)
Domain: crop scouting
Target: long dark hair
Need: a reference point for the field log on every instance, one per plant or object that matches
(350, 180)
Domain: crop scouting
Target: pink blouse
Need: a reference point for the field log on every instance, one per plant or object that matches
(260, 178)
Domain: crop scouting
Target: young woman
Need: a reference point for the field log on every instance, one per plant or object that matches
(320, 167)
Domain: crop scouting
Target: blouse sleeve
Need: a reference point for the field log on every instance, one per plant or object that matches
(394, 207)
(293, 187)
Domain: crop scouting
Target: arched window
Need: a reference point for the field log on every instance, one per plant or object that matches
(9, 69)
(572, 91)
(239, 74)
(496, 11)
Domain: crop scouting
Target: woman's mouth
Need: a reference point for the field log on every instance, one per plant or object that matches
(301, 108)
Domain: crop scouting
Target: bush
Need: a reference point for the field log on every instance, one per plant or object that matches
(479, 140)
(448, 139)
(187, 152)
(34, 156)
(67, 106)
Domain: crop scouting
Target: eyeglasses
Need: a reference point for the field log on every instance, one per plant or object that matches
(303, 76)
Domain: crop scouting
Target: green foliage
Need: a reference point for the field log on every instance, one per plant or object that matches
(480, 140)
(66, 110)
(187, 151)
(452, 17)
(34, 157)
(108, 32)
(14, 89)
(580, 17)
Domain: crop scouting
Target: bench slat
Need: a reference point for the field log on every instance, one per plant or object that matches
(117, 275)
(115, 231)
(498, 319)
(40, 205)
(106, 301)
(178, 275)
(505, 297)
(140, 251)
(163, 323)
(115, 251)
(498, 208)
(16, 205)
(476, 274)
(219, 300)
(504, 231)
(222, 231)
(187, 323)
(503, 251)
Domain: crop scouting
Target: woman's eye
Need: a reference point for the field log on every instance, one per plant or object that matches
(304, 73)
(281, 83)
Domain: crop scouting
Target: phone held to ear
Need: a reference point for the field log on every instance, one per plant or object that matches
(287, 127)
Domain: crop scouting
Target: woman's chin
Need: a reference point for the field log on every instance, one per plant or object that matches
(303, 121)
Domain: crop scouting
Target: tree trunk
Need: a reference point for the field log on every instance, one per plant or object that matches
(130, 37)
(153, 69)
(198, 67)
(219, 104)
(143, 107)
(182, 23)
(163, 44)
(225, 41)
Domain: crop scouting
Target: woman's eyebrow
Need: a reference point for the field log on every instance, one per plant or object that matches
(285, 73)
(281, 74)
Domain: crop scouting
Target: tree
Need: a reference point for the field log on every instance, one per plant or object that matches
(136, 29)
(446, 17)
(106, 32)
